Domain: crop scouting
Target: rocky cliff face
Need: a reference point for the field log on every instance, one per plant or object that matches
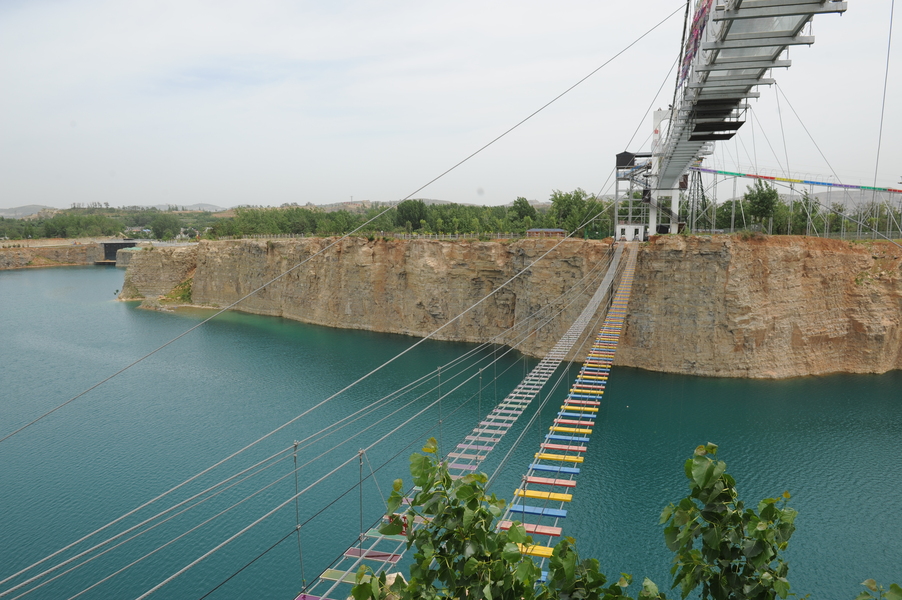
(407, 287)
(720, 306)
(153, 272)
(49, 256)
(764, 307)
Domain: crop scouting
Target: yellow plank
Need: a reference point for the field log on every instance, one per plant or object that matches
(544, 495)
(560, 457)
(580, 408)
(542, 551)
(569, 429)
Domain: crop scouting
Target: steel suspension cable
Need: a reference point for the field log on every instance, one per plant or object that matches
(343, 237)
(338, 240)
(889, 45)
(307, 443)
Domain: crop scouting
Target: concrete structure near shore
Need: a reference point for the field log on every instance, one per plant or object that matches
(111, 248)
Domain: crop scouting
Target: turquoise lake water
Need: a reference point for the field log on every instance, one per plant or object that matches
(834, 442)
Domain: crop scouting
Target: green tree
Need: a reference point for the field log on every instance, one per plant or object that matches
(410, 210)
(568, 209)
(761, 200)
(731, 552)
(458, 554)
(165, 226)
(522, 209)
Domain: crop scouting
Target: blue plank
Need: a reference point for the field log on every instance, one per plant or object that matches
(579, 414)
(554, 469)
(566, 438)
(538, 510)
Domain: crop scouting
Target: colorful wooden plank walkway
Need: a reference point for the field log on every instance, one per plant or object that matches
(576, 416)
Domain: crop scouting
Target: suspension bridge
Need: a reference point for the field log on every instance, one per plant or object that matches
(726, 54)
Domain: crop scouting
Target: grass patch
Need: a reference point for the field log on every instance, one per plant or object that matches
(180, 294)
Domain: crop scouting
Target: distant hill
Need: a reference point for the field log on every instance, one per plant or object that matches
(191, 207)
(23, 211)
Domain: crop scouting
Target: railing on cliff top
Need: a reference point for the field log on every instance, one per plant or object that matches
(390, 234)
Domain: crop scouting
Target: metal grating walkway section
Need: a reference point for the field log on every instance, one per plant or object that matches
(731, 46)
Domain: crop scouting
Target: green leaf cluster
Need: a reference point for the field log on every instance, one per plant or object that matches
(459, 554)
(875, 591)
(729, 550)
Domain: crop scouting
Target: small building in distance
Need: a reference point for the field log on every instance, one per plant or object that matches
(552, 233)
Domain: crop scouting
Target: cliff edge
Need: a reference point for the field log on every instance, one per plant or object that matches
(726, 306)
(392, 286)
(772, 307)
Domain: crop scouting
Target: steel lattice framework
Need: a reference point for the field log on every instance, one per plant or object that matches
(729, 49)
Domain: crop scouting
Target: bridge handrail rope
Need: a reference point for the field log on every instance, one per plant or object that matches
(472, 450)
(566, 443)
(846, 186)
(294, 267)
(217, 493)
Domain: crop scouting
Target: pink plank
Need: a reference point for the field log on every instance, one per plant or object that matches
(373, 555)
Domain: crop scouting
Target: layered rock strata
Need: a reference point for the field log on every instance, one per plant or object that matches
(49, 256)
(407, 287)
(717, 306)
(769, 307)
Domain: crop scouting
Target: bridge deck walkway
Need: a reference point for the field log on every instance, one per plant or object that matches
(382, 552)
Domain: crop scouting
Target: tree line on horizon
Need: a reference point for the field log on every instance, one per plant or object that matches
(577, 211)
(567, 210)
(95, 220)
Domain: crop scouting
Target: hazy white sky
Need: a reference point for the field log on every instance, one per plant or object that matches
(269, 102)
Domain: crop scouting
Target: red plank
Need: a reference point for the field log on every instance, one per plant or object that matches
(530, 528)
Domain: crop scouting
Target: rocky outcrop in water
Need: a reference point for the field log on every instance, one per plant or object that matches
(716, 306)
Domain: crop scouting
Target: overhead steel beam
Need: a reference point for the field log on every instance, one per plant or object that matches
(775, 42)
(744, 81)
(722, 126)
(712, 137)
(751, 64)
(784, 10)
(734, 95)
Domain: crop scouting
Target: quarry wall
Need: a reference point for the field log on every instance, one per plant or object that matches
(50, 256)
(732, 306)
